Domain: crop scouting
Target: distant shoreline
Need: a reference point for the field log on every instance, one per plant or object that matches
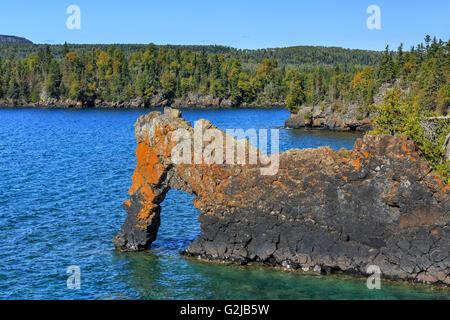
(130, 107)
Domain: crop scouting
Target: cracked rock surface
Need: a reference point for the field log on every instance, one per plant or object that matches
(324, 210)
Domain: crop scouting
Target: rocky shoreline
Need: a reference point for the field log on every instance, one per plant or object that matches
(378, 204)
(325, 118)
(191, 101)
(337, 116)
(309, 118)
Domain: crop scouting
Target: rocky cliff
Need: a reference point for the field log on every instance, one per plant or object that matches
(378, 204)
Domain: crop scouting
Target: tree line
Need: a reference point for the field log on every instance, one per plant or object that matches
(295, 76)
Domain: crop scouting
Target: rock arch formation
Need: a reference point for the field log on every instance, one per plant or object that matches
(379, 204)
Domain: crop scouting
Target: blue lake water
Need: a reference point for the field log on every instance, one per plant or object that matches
(63, 177)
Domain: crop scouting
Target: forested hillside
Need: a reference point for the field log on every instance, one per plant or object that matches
(292, 55)
(14, 39)
(297, 76)
(423, 73)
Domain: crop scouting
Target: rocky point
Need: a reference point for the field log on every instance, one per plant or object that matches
(324, 210)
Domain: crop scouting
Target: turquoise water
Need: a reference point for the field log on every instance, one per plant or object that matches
(63, 177)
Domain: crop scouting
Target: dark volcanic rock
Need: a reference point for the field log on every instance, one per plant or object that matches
(156, 101)
(201, 101)
(327, 119)
(379, 204)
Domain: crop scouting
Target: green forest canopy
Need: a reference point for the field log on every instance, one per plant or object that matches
(296, 75)
(291, 55)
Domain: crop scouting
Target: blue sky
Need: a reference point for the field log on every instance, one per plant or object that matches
(242, 24)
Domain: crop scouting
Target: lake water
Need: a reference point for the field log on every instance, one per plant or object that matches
(63, 177)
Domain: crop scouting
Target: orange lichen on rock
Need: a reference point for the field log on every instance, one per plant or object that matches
(147, 211)
(356, 163)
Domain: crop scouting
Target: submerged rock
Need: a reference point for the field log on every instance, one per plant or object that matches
(378, 204)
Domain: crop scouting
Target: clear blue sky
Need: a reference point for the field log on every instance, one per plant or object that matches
(241, 24)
